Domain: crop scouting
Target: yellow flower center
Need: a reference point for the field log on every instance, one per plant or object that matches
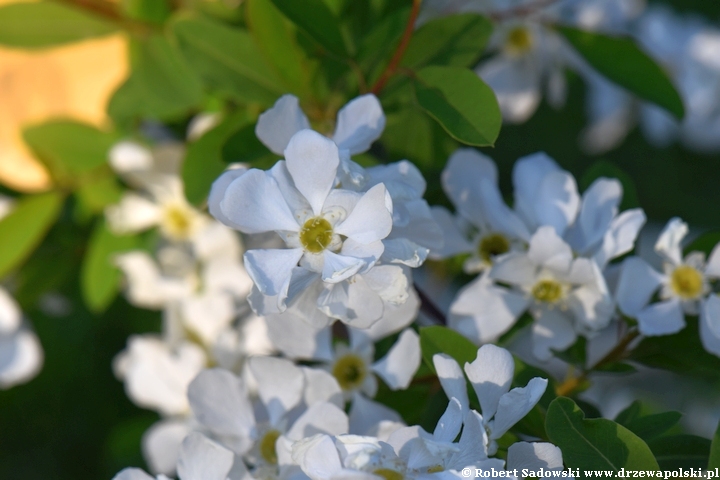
(435, 469)
(686, 282)
(388, 474)
(548, 291)
(178, 221)
(350, 371)
(267, 446)
(519, 40)
(493, 245)
(316, 235)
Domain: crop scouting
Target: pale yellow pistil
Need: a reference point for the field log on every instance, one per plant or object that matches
(686, 282)
(493, 245)
(178, 221)
(316, 235)
(267, 446)
(350, 371)
(388, 474)
(519, 40)
(547, 291)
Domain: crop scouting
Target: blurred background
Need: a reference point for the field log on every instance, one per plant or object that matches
(74, 421)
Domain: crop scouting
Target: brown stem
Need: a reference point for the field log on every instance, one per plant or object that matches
(399, 51)
(570, 384)
(429, 307)
(109, 11)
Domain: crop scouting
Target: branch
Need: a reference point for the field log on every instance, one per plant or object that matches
(399, 51)
(429, 307)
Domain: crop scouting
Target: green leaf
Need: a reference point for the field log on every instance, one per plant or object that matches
(681, 352)
(99, 278)
(45, 24)
(228, 59)
(244, 146)
(714, 459)
(203, 161)
(438, 339)
(680, 451)
(462, 103)
(94, 196)
(604, 168)
(276, 38)
(649, 427)
(595, 444)
(630, 413)
(622, 61)
(162, 85)
(378, 45)
(69, 148)
(24, 228)
(317, 21)
(455, 40)
(155, 11)
(704, 243)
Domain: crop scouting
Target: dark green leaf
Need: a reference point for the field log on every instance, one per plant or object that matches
(244, 146)
(680, 451)
(228, 59)
(69, 148)
(649, 427)
(620, 60)
(95, 195)
(630, 413)
(99, 278)
(598, 443)
(276, 38)
(378, 46)
(162, 84)
(704, 243)
(681, 352)
(155, 11)
(462, 103)
(714, 459)
(317, 21)
(455, 40)
(604, 168)
(203, 161)
(439, 339)
(45, 24)
(24, 228)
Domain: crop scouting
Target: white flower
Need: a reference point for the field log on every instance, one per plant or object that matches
(491, 375)
(294, 402)
(161, 201)
(683, 288)
(200, 459)
(21, 355)
(334, 232)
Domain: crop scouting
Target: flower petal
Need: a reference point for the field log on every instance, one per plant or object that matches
(276, 126)
(636, 285)
(449, 425)
(203, 459)
(500, 217)
(620, 237)
(371, 219)
(312, 161)
(299, 339)
(452, 379)
(534, 456)
(662, 318)
(132, 474)
(133, 214)
(359, 123)
(271, 270)
(161, 444)
(598, 209)
(547, 249)
(253, 203)
(490, 374)
(515, 404)
(21, 357)
(552, 330)
(527, 175)
(319, 418)
(668, 243)
(557, 201)
(321, 386)
(337, 268)
(710, 325)
(10, 315)
(401, 362)
(465, 170)
(355, 304)
(516, 85)
(220, 402)
(280, 384)
(712, 269)
(318, 457)
(217, 193)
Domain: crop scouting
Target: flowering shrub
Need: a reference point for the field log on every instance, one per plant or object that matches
(296, 231)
